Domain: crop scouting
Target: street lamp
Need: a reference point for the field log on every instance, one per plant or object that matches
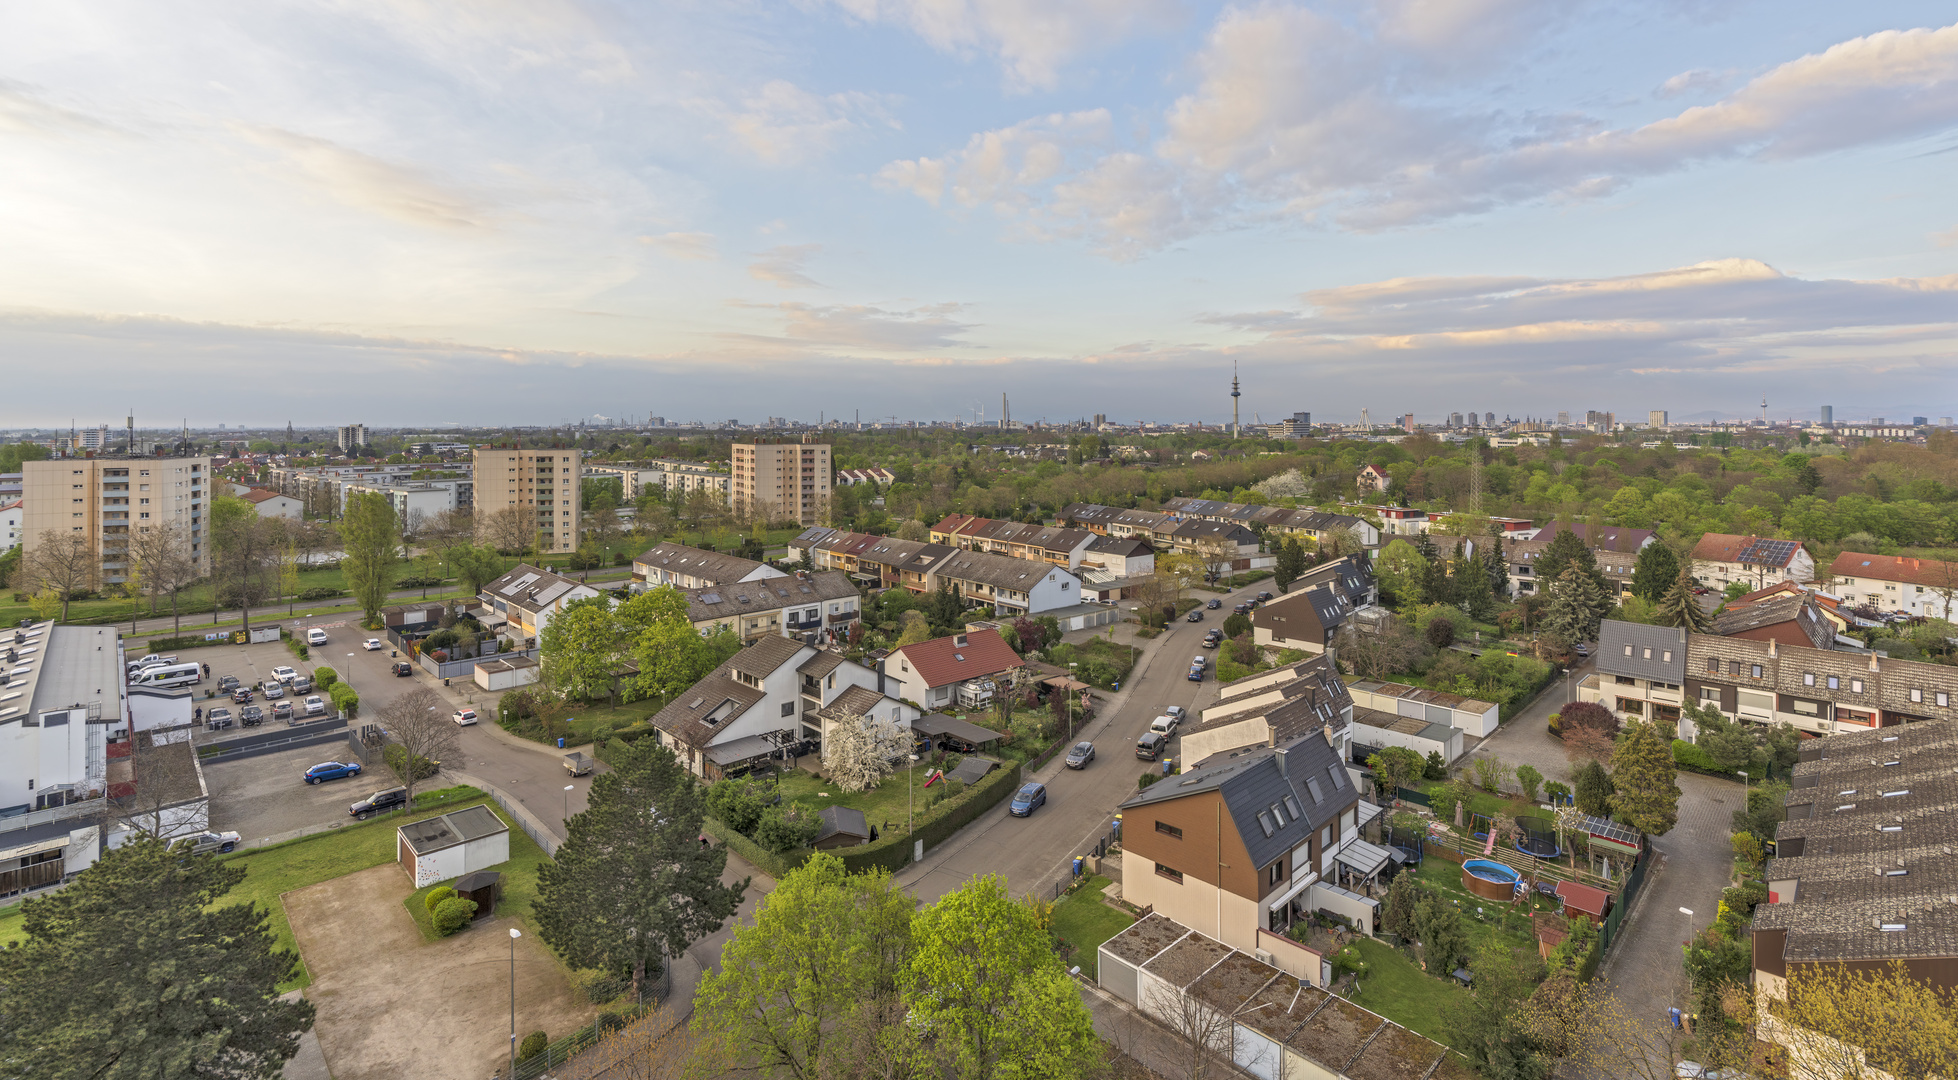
(514, 935)
(1072, 671)
(568, 789)
(1688, 912)
(909, 775)
(348, 677)
(1743, 777)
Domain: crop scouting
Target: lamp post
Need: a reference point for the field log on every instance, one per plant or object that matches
(348, 677)
(514, 935)
(568, 789)
(1072, 671)
(1744, 782)
(1688, 912)
(910, 774)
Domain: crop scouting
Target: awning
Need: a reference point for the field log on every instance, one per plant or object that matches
(491, 618)
(1368, 812)
(25, 850)
(1363, 858)
(1297, 887)
(940, 724)
(742, 749)
(1066, 683)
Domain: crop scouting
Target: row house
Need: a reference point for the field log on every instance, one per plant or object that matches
(1315, 608)
(960, 671)
(874, 475)
(1923, 587)
(1820, 691)
(1597, 537)
(1862, 874)
(1307, 522)
(1788, 619)
(824, 603)
(1010, 585)
(1521, 557)
(1722, 559)
(526, 598)
(1045, 543)
(686, 567)
(1273, 707)
(1641, 671)
(892, 563)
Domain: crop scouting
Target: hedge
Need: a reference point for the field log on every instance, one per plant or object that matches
(893, 849)
(170, 644)
(1690, 757)
(768, 862)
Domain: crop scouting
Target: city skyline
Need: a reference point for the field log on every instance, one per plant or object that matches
(556, 210)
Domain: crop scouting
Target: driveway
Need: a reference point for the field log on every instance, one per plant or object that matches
(393, 1005)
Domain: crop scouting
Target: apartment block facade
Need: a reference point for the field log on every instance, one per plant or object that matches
(106, 499)
(789, 481)
(545, 480)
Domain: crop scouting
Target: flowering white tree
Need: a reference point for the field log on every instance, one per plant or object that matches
(859, 751)
(1286, 485)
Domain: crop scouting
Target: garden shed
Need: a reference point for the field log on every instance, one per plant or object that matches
(485, 887)
(452, 845)
(506, 674)
(952, 733)
(1594, 904)
(842, 827)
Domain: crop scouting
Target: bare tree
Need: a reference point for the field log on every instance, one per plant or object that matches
(446, 529)
(61, 562)
(657, 1046)
(163, 777)
(512, 529)
(1387, 647)
(420, 723)
(1203, 1034)
(245, 561)
(161, 554)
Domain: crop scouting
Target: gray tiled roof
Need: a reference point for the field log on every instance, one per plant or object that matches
(1641, 652)
(1251, 782)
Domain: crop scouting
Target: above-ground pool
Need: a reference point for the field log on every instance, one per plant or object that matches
(1490, 880)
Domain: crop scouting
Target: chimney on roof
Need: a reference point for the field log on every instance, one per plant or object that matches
(1873, 667)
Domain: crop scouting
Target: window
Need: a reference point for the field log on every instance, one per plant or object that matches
(1916, 694)
(1808, 678)
(1755, 670)
(1325, 837)
(1265, 823)
(788, 708)
(1292, 805)
(1944, 699)
(1173, 875)
(1648, 655)
(1278, 814)
(1668, 657)
(1169, 830)
(1628, 651)
(1712, 666)
(1276, 874)
(1711, 695)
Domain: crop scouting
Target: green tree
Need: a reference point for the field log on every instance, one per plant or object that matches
(1402, 571)
(1495, 561)
(1593, 790)
(795, 992)
(1395, 767)
(1645, 791)
(1291, 564)
(370, 533)
(1529, 778)
(1679, 607)
(632, 884)
(475, 565)
(1488, 1026)
(1472, 586)
(1766, 808)
(580, 649)
(136, 971)
(1577, 606)
(1729, 745)
(1403, 898)
(1565, 550)
(914, 628)
(984, 980)
(1657, 568)
(672, 656)
(1444, 940)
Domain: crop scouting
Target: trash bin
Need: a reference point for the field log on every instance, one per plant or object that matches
(1077, 866)
(1118, 684)
(560, 742)
(1166, 765)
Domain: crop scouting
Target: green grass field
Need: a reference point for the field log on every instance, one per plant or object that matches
(1398, 990)
(1084, 921)
(884, 803)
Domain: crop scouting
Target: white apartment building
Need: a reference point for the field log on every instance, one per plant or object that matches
(414, 503)
(543, 480)
(104, 499)
(11, 517)
(672, 477)
(789, 481)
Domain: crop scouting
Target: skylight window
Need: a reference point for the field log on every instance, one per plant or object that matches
(1264, 822)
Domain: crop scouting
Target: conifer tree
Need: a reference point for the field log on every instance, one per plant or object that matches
(1679, 607)
(1646, 790)
(1577, 606)
(1655, 572)
(1496, 562)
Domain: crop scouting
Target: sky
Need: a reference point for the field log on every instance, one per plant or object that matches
(416, 213)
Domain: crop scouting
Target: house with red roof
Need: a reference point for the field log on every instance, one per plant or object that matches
(1894, 583)
(1721, 559)
(272, 504)
(930, 673)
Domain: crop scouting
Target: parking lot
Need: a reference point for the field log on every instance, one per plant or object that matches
(265, 798)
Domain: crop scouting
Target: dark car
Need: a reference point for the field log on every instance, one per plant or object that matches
(403, 669)
(251, 716)
(1029, 798)
(217, 718)
(227, 684)
(302, 684)
(1196, 673)
(1263, 596)
(332, 770)
(242, 696)
(1214, 604)
(1080, 755)
(1195, 616)
(379, 803)
(1243, 607)
(1151, 745)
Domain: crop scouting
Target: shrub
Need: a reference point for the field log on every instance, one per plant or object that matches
(435, 897)
(324, 677)
(344, 698)
(322, 592)
(1441, 632)
(532, 1045)
(1149, 776)
(453, 914)
(599, 987)
(1588, 714)
(396, 757)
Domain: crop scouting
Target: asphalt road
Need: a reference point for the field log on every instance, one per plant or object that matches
(1033, 851)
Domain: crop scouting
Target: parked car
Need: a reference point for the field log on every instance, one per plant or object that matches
(1176, 713)
(302, 685)
(464, 717)
(316, 636)
(217, 719)
(315, 707)
(274, 691)
(284, 674)
(227, 684)
(1163, 725)
(1582, 649)
(1080, 755)
(1214, 603)
(1263, 596)
(1196, 674)
(220, 842)
(282, 711)
(379, 803)
(332, 770)
(373, 644)
(150, 661)
(1195, 616)
(251, 716)
(1243, 607)
(1199, 660)
(1151, 745)
(403, 669)
(1210, 642)
(242, 696)
(1029, 798)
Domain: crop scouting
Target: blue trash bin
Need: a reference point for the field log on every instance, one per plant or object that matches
(1166, 764)
(560, 742)
(1118, 684)
(1077, 866)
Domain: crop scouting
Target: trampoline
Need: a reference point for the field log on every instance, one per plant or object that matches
(1405, 843)
(1539, 838)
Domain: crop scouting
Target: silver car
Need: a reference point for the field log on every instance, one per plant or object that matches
(1080, 754)
(220, 842)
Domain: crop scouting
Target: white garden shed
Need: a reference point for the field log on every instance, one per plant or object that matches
(463, 842)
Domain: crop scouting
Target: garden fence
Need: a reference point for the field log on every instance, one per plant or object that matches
(657, 990)
(1097, 849)
(1624, 904)
(1413, 796)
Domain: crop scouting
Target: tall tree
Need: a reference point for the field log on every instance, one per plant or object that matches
(1291, 563)
(1402, 571)
(1577, 606)
(136, 972)
(632, 884)
(1679, 607)
(62, 563)
(581, 648)
(1496, 561)
(1654, 573)
(1565, 550)
(511, 530)
(983, 978)
(859, 751)
(1646, 791)
(419, 722)
(821, 963)
(1593, 790)
(1728, 744)
(371, 536)
(1490, 1025)
(244, 555)
(475, 565)
(161, 554)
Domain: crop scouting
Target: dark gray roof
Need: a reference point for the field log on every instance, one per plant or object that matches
(1797, 609)
(940, 724)
(1125, 546)
(1623, 649)
(843, 820)
(1309, 791)
(1353, 577)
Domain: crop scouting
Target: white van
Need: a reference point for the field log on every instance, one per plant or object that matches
(162, 675)
(316, 636)
(1164, 726)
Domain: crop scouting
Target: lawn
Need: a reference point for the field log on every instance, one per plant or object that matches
(1398, 990)
(519, 881)
(1084, 921)
(883, 806)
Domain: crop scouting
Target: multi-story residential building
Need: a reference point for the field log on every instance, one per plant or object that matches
(944, 672)
(104, 500)
(1396, 520)
(766, 698)
(1311, 613)
(1721, 559)
(526, 598)
(1124, 557)
(1305, 522)
(1298, 426)
(1641, 671)
(351, 438)
(1820, 691)
(414, 504)
(671, 477)
(1373, 478)
(1658, 419)
(1893, 583)
(825, 603)
(1011, 586)
(783, 481)
(686, 567)
(545, 481)
(1521, 555)
(1251, 839)
(1272, 708)
(1862, 874)
(11, 518)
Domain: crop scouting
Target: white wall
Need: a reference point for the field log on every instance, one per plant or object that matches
(151, 710)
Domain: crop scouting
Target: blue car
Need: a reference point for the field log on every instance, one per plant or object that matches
(1028, 799)
(332, 770)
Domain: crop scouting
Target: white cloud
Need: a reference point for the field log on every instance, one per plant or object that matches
(697, 246)
(365, 182)
(782, 266)
(863, 326)
(1031, 39)
(783, 124)
(1696, 81)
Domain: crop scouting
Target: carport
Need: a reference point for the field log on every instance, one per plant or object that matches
(734, 753)
(951, 733)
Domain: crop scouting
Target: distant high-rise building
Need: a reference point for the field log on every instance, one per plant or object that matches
(1407, 422)
(1919, 421)
(1489, 419)
(1455, 420)
(786, 481)
(1563, 419)
(547, 482)
(1658, 418)
(1100, 419)
(1298, 427)
(1828, 415)
(95, 438)
(1876, 421)
(1944, 421)
(119, 497)
(352, 437)
(656, 421)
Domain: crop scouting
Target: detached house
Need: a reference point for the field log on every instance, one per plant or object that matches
(964, 669)
(1924, 587)
(1373, 479)
(1721, 559)
(1318, 604)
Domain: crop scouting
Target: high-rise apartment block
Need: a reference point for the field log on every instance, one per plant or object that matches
(783, 481)
(95, 438)
(544, 481)
(1489, 419)
(1658, 418)
(352, 437)
(106, 500)
(1828, 415)
(1563, 418)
